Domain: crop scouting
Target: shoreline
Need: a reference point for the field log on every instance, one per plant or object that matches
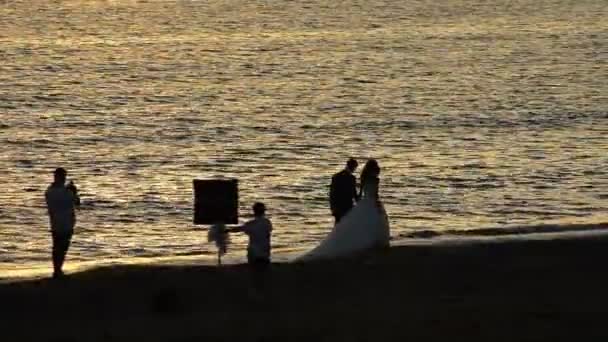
(287, 254)
(518, 290)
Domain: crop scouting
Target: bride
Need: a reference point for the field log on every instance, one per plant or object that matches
(364, 227)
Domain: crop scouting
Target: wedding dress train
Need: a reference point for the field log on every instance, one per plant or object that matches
(364, 227)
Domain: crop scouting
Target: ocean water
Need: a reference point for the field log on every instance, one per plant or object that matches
(484, 115)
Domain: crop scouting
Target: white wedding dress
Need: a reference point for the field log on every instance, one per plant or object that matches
(364, 227)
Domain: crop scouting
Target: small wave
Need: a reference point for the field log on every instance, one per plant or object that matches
(24, 163)
(516, 230)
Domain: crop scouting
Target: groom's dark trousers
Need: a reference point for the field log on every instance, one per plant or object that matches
(342, 194)
(339, 213)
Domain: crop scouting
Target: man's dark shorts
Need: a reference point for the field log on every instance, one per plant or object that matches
(259, 265)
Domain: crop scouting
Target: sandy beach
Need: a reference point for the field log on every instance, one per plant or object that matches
(487, 291)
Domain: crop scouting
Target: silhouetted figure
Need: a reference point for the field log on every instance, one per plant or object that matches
(365, 227)
(258, 250)
(370, 176)
(219, 235)
(343, 190)
(61, 201)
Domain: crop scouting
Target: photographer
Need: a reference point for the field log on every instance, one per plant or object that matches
(61, 201)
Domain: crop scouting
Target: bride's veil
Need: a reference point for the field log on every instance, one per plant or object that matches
(370, 170)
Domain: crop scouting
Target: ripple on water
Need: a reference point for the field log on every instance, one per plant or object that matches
(476, 124)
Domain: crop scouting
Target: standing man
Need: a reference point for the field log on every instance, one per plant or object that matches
(343, 190)
(61, 202)
(259, 231)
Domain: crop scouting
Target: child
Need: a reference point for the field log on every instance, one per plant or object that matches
(219, 235)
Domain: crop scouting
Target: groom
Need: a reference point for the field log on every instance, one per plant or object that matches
(343, 190)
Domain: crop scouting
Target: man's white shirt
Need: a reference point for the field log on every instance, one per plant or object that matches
(259, 230)
(61, 207)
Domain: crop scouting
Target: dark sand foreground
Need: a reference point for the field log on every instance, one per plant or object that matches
(515, 291)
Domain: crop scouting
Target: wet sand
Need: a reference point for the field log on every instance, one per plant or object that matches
(489, 291)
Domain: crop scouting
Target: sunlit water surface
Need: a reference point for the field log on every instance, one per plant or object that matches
(483, 114)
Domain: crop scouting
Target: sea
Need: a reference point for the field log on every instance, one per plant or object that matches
(488, 117)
